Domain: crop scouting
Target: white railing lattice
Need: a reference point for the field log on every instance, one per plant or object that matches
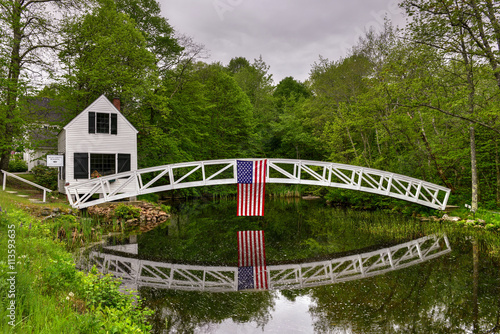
(218, 172)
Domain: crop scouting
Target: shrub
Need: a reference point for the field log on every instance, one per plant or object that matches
(166, 208)
(17, 164)
(116, 312)
(127, 211)
(60, 273)
(45, 176)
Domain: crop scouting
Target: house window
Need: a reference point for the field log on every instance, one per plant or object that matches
(103, 123)
(91, 165)
(103, 164)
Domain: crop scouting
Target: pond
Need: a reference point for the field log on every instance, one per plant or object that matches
(342, 271)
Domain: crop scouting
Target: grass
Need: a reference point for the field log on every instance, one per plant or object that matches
(13, 201)
(27, 176)
(51, 295)
(482, 218)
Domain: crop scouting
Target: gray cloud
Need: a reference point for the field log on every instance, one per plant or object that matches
(289, 34)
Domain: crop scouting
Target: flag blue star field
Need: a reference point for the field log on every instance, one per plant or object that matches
(251, 187)
(252, 271)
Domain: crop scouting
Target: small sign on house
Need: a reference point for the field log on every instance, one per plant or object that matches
(55, 160)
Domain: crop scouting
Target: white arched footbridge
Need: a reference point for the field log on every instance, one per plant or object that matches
(82, 194)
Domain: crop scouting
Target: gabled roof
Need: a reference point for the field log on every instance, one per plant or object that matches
(112, 108)
(43, 111)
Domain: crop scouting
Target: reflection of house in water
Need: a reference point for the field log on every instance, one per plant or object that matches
(131, 248)
(281, 277)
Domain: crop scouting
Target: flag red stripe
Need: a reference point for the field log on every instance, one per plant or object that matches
(247, 248)
(266, 284)
(238, 213)
(262, 262)
(256, 257)
(239, 247)
(251, 253)
(263, 185)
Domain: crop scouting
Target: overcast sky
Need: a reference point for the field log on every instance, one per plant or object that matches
(288, 34)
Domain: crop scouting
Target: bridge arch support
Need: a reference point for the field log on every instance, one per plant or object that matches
(287, 171)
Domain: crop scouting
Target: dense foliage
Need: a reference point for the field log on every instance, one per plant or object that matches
(422, 102)
(17, 164)
(45, 176)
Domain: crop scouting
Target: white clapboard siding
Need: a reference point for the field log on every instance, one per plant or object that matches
(76, 138)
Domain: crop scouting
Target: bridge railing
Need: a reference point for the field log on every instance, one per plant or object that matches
(289, 276)
(219, 172)
(5, 174)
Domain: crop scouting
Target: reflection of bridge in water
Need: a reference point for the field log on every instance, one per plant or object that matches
(140, 273)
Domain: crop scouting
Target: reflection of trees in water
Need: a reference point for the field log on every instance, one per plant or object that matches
(185, 311)
(206, 232)
(434, 297)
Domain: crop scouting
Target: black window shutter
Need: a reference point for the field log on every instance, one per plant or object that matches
(64, 167)
(91, 122)
(114, 124)
(81, 168)
(123, 163)
(62, 170)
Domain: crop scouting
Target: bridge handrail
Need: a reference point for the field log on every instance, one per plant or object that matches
(5, 174)
(389, 184)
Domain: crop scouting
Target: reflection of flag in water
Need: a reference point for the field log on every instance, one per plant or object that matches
(252, 272)
(251, 187)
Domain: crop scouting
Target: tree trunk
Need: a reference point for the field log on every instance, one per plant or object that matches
(366, 149)
(432, 156)
(497, 166)
(474, 178)
(378, 142)
(475, 286)
(348, 134)
(13, 84)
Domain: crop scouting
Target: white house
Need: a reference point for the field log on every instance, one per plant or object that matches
(99, 141)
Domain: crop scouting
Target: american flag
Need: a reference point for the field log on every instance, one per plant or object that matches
(252, 272)
(251, 187)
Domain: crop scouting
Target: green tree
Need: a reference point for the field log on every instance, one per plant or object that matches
(28, 28)
(207, 116)
(229, 126)
(289, 87)
(158, 33)
(463, 33)
(338, 87)
(238, 64)
(451, 25)
(289, 127)
(257, 84)
(104, 53)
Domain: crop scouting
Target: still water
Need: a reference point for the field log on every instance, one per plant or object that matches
(455, 291)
